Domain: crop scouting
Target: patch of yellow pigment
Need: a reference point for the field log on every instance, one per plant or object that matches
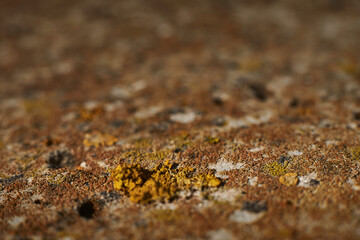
(354, 153)
(212, 140)
(89, 114)
(161, 183)
(289, 179)
(97, 139)
(275, 169)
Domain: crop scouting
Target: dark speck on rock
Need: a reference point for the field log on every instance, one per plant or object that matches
(314, 182)
(219, 121)
(59, 159)
(356, 116)
(284, 159)
(117, 123)
(255, 206)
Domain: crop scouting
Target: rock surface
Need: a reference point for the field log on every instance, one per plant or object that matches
(260, 97)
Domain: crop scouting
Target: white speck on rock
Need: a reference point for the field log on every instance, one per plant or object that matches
(304, 181)
(16, 221)
(228, 195)
(353, 184)
(253, 181)
(257, 149)
(249, 120)
(148, 112)
(295, 153)
(84, 166)
(183, 118)
(224, 165)
(220, 234)
(243, 216)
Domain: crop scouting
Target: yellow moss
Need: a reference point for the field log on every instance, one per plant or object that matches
(354, 153)
(212, 140)
(275, 169)
(161, 183)
(97, 139)
(289, 179)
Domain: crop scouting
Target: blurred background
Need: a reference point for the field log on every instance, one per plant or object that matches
(135, 54)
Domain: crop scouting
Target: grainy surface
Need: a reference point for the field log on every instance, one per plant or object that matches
(265, 96)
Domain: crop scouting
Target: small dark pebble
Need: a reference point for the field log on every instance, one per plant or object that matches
(284, 159)
(356, 116)
(255, 206)
(87, 209)
(177, 150)
(294, 103)
(219, 121)
(314, 182)
(117, 123)
(59, 159)
(217, 101)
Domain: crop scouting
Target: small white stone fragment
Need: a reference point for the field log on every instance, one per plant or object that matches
(220, 234)
(249, 120)
(304, 181)
(84, 166)
(148, 112)
(295, 153)
(183, 118)
(331, 142)
(257, 149)
(224, 165)
(253, 181)
(228, 195)
(353, 184)
(16, 221)
(243, 216)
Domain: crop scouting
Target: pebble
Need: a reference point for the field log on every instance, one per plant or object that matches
(184, 118)
(243, 216)
(295, 153)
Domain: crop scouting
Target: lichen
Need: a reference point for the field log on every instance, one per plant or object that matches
(161, 183)
(88, 115)
(97, 139)
(276, 169)
(289, 179)
(354, 153)
(212, 140)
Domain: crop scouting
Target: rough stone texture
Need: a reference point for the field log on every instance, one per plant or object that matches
(247, 90)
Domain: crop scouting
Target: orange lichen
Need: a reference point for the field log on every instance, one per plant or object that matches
(97, 139)
(90, 114)
(289, 179)
(161, 183)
